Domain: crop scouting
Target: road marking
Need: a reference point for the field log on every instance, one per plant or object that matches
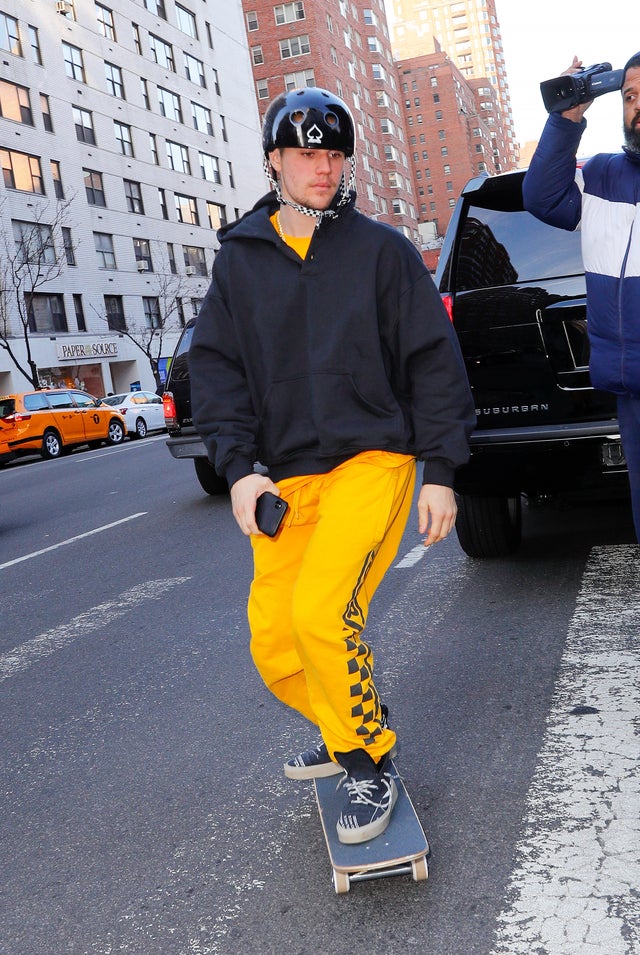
(575, 886)
(22, 657)
(412, 558)
(71, 540)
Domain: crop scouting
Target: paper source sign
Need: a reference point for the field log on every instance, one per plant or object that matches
(72, 351)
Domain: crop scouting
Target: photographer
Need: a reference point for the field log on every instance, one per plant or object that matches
(603, 197)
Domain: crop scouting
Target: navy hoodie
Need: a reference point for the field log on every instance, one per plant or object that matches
(302, 364)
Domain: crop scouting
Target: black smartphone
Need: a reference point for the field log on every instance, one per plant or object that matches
(270, 510)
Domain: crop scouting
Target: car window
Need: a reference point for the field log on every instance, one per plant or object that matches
(35, 402)
(59, 399)
(504, 247)
(7, 407)
(179, 369)
(151, 398)
(83, 400)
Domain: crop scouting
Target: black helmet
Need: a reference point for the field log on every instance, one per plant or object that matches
(308, 118)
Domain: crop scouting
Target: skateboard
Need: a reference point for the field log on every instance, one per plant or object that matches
(402, 849)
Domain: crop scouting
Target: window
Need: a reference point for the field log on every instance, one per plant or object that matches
(163, 203)
(123, 137)
(252, 21)
(15, 103)
(9, 35)
(157, 7)
(294, 46)
(202, 118)
(153, 146)
(79, 310)
(297, 80)
(47, 314)
(21, 171)
(186, 21)
(105, 21)
(194, 69)
(209, 167)
(217, 215)
(194, 259)
(94, 187)
(178, 157)
(172, 259)
(169, 105)
(73, 62)
(54, 165)
(262, 89)
(142, 252)
(144, 89)
(152, 316)
(115, 84)
(133, 195)
(216, 81)
(288, 12)
(135, 30)
(104, 250)
(115, 313)
(162, 52)
(34, 42)
(257, 56)
(69, 249)
(186, 209)
(46, 112)
(84, 125)
(34, 243)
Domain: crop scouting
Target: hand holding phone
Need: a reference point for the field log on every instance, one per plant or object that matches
(270, 510)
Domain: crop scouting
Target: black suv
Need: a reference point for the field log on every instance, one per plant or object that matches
(515, 291)
(184, 441)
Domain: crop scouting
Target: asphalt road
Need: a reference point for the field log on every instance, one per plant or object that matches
(143, 805)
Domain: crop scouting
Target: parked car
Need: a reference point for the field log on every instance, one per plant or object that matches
(142, 411)
(515, 290)
(184, 441)
(54, 421)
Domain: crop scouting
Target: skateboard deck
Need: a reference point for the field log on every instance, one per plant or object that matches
(402, 849)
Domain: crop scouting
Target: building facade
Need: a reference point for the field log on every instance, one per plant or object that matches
(469, 32)
(129, 133)
(343, 47)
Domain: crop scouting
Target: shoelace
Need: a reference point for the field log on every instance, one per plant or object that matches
(360, 791)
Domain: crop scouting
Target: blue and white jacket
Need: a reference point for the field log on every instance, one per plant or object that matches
(603, 198)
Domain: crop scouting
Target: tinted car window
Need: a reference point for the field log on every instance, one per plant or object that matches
(60, 399)
(179, 370)
(7, 407)
(35, 402)
(503, 247)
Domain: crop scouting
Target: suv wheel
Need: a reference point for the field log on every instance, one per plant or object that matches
(116, 432)
(210, 482)
(489, 526)
(51, 444)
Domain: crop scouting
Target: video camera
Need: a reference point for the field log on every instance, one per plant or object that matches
(565, 92)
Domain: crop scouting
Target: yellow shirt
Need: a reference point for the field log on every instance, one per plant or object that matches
(299, 244)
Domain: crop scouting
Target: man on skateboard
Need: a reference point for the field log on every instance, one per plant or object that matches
(322, 350)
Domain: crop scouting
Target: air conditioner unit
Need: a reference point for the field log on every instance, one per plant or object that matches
(190, 270)
(64, 7)
(141, 266)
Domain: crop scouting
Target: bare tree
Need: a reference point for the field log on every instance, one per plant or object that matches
(162, 314)
(32, 255)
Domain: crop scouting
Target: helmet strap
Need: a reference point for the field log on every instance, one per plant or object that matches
(346, 187)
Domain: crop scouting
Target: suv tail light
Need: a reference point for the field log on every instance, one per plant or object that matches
(447, 301)
(169, 408)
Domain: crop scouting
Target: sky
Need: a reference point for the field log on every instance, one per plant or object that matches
(539, 40)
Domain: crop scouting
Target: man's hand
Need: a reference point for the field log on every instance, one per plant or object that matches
(437, 511)
(244, 494)
(576, 113)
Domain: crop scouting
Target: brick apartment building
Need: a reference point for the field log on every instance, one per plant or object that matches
(344, 47)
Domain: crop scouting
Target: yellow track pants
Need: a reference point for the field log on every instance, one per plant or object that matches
(311, 591)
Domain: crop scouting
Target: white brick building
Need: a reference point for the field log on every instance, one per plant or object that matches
(133, 125)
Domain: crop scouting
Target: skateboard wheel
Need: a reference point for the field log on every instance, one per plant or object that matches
(341, 882)
(419, 869)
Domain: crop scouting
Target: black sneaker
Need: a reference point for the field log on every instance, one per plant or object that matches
(372, 795)
(314, 764)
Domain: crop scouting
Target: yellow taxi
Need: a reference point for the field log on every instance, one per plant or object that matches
(52, 422)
